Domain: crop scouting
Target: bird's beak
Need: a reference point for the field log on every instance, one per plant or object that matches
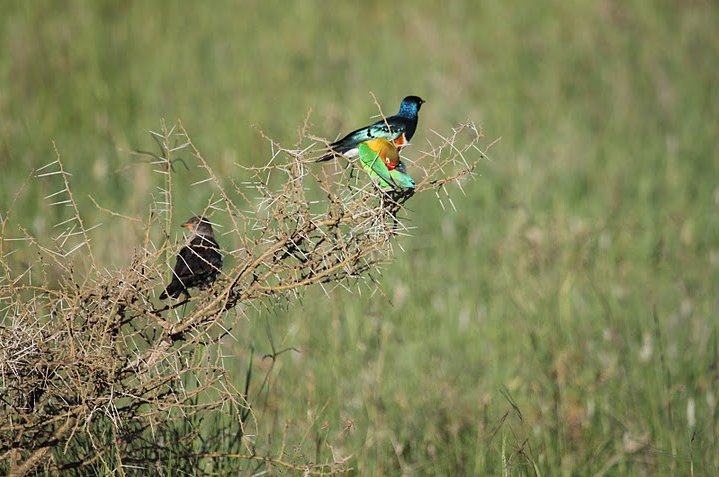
(187, 225)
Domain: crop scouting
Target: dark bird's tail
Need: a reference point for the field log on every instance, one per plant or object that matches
(326, 157)
(336, 149)
(174, 289)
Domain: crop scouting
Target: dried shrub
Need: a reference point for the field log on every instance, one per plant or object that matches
(99, 376)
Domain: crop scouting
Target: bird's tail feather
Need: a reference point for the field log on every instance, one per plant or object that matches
(348, 151)
(327, 157)
(173, 289)
(337, 149)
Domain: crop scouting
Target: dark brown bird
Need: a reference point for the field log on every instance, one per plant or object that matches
(198, 263)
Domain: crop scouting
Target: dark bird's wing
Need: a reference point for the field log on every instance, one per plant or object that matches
(181, 274)
(197, 265)
(397, 127)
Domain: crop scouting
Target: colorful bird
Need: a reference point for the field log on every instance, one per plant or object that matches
(386, 150)
(198, 263)
(398, 128)
(380, 158)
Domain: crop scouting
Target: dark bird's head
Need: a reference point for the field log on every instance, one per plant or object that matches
(199, 226)
(410, 106)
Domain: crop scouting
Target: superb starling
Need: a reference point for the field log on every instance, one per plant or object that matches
(398, 128)
(198, 263)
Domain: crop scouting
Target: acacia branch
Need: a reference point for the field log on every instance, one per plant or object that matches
(91, 362)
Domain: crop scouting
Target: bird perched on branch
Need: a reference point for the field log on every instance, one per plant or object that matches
(398, 128)
(380, 158)
(198, 263)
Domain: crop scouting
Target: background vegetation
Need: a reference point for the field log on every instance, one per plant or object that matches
(563, 321)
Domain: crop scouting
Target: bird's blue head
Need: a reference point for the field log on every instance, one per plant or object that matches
(410, 106)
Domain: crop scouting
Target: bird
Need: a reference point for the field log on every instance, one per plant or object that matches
(380, 158)
(198, 262)
(387, 152)
(398, 128)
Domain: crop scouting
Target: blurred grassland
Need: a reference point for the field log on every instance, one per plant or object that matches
(578, 278)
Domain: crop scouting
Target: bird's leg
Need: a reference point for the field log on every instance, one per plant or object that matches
(352, 169)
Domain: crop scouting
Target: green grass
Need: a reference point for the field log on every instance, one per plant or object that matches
(578, 279)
